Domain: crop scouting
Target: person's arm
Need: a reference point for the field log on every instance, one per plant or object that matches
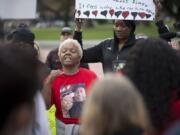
(93, 54)
(46, 91)
(78, 36)
(158, 20)
(162, 28)
(158, 7)
(78, 31)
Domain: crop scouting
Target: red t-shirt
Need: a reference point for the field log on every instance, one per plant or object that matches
(69, 92)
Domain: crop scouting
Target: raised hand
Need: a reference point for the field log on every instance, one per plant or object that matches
(158, 7)
(78, 24)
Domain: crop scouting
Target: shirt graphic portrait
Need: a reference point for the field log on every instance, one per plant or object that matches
(72, 98)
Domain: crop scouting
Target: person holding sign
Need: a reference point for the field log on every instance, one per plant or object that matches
(112, 53)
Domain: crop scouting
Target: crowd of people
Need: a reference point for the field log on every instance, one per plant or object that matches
(138, 95)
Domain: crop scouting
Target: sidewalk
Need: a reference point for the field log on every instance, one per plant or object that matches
(55, 43)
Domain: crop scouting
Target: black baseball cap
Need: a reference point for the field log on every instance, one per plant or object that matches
(22, 35)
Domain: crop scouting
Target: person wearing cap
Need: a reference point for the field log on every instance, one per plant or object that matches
(65, 34)
(26, 39)
(22, 34)
(23, 38)
(52, 59)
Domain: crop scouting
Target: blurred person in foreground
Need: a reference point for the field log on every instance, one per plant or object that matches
(18, 86)
(52, 59)
(23, 34)
(61, 88)
(25, 39)
(154, 68)
(114, 107)
(174, 130)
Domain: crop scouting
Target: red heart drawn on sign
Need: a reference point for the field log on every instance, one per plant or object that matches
(95, 12)
(125, 14)
(111, 12)
(142, 14)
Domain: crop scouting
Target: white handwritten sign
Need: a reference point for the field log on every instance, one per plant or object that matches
(17, 9)
(115, 9)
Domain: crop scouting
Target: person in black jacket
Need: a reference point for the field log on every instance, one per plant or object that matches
(113, 52)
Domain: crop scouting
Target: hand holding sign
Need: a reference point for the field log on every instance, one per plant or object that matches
(157, 10)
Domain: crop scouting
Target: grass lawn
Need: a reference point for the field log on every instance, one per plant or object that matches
(98, 32)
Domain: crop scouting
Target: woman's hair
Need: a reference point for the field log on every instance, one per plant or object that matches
(114, 106)
(71, 41)
(154, 67)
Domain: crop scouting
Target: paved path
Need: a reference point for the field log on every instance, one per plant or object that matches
(55, 44)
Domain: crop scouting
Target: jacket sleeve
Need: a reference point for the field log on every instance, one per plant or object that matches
(164, 32)
(93, 54)
(78, 36)
(161, 27)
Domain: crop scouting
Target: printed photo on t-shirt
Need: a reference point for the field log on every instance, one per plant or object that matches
(72, 98)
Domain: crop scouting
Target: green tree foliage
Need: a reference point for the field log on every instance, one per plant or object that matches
(56, 9)
(172, 7)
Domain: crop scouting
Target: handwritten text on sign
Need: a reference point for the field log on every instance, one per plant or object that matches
(115, 9)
